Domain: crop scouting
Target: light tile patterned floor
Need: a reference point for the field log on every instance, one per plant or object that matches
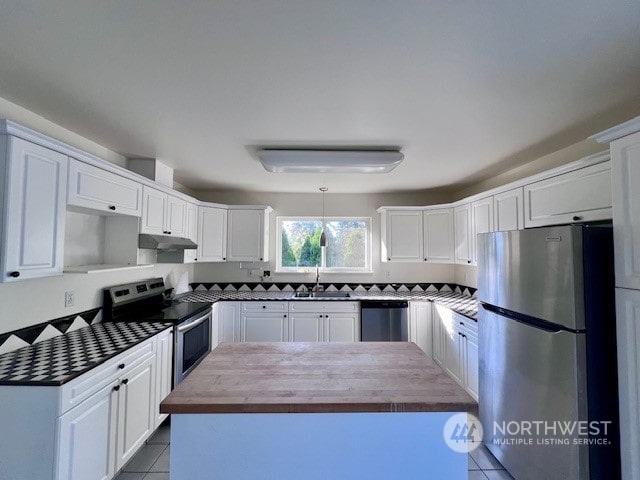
(152, 461)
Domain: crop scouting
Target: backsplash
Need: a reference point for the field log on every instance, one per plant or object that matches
(36, 333)
(342, 287)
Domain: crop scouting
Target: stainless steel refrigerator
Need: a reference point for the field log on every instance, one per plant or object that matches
(547, 352)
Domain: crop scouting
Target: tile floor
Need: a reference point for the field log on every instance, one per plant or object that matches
(152, 461)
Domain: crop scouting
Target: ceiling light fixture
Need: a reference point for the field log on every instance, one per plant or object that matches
(323, 236)
(329, 161)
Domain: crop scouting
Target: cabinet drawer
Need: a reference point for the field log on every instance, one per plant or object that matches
(466, 326)
(92, 188)
(276, 307)
(306, 306)
(84, 386)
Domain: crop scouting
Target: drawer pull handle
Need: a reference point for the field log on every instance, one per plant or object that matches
(112, 207)
(125, 381)
(121, 366)
(576, 218)
(116, 388)
(14, 274)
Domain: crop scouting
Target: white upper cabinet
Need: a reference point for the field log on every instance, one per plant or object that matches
(508, 210)
(482, 222)
(212, 234)
(438, 235)
(163, 214)
(191, 231)
(462, 227)
(577, 196)
(401, 236)
(248, 234)
(97, 190)
(625, 172)
(33, 190)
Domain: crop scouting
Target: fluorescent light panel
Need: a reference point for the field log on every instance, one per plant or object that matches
(329, 161)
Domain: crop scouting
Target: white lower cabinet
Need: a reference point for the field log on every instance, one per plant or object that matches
(226, 323)
(136, 412)
(264, 327)
(87, 438)
(306, 327)
(88, 428)
(420, 329)
(455, 347)
(164, 371)
(341, 327)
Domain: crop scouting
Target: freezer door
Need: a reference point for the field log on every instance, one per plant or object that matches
(528, 374)
(536, 272)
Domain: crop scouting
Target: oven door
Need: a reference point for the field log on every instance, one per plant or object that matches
(192, 344)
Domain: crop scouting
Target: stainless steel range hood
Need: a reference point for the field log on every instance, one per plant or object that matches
(165, 242)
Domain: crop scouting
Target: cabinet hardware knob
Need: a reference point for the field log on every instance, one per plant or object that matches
(264, 306)
(112, 207)
(425, 259)
(468, 261)
(389, 259)
(169, 233)
(224, 258)
(14, 274)
(125, 381)
(116, 388)
(576, 218)
(195, 259)
(461, 323)
(285, 316)
(260, 258)
(121, 366)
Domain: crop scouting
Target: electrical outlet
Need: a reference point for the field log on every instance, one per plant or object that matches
(388, 274)
(68, 298)
(266, 273)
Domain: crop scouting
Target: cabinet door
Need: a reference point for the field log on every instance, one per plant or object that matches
(190, 255)
(176, 217)
(453, 354)
(228, 314)
(154, 204)
(96, 189)
(266, 327)
(471, 376)
(462, 226)
(438, 336)
(403, 236)
(164, 370)
(245, 235)
(87, 438)
(625, 177)
(136, 413)
(306, 327)
(212, 234)
(420, 330)
(35, 188)
(482, 222)
(578, 196)
(628, 337)
(341, 327)
(438, 235)
(508, 210)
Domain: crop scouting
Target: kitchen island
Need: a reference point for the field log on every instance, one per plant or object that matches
(315, 411)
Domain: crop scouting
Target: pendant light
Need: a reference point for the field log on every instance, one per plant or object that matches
(323, 236)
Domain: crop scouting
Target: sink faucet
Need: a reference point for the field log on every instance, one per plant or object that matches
(318, 288)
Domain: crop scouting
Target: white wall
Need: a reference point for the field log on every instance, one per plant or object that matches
(30, 302)
(364, 205)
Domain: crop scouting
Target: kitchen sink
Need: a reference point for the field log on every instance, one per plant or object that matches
(322, 295)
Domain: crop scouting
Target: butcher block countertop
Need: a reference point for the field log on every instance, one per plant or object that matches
(318, 378)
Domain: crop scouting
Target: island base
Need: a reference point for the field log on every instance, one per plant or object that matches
(314, 446)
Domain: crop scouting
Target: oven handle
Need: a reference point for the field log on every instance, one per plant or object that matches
(194, 323)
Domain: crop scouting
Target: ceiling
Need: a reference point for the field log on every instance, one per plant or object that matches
(461, 86)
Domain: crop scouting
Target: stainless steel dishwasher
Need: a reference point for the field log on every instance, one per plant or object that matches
(384, 321)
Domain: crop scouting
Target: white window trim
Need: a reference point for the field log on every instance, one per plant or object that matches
(306, 270)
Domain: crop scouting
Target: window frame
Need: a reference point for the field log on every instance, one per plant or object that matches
(368, 268)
